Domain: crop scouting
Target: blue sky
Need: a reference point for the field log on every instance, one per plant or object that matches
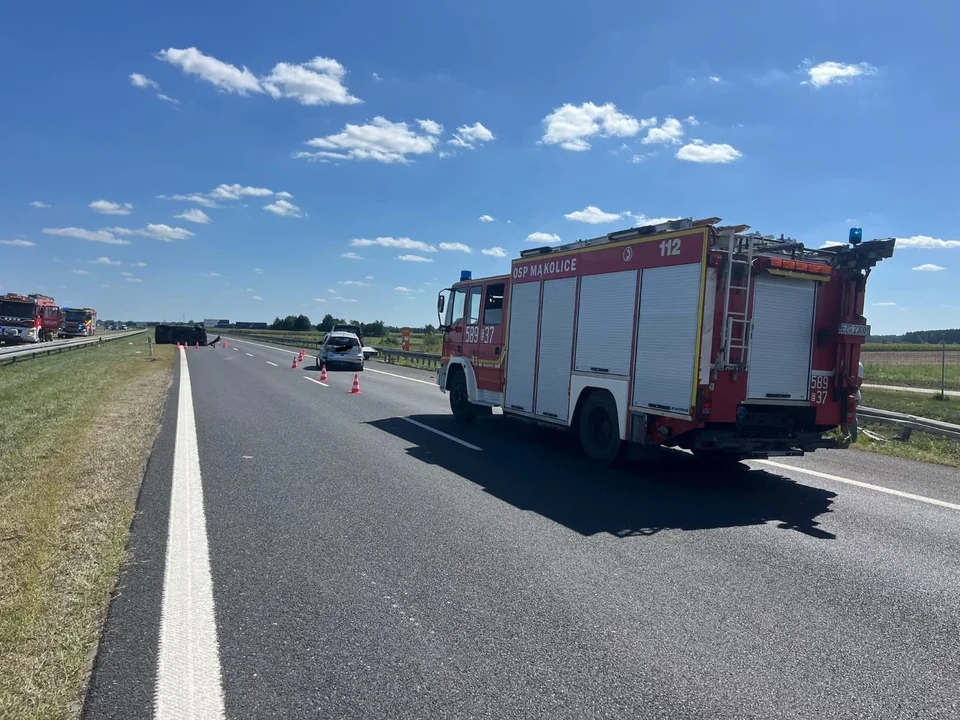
(220, 160)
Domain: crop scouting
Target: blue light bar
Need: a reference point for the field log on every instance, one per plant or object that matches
(856, 235)
(465, 275)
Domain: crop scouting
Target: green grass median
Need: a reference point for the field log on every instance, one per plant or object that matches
(75, 433)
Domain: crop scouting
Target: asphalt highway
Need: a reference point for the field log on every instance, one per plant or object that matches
(369, 558)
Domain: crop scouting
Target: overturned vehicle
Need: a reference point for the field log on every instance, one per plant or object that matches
(183, 334)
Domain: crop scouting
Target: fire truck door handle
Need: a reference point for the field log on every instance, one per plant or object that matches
(497, 351)
(459, 348)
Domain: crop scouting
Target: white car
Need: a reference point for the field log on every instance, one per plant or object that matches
(342, 348)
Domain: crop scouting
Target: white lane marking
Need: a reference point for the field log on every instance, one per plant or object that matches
(188, 669)
(272, 363)
(250, 354)
(269, 347)
(402, 377)
(868, 486)
(236, 349)
(442, 434)
(315, 381)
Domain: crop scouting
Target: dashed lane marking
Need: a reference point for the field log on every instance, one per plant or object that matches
(442, 434)
(858, 483)
(250, 354)
(315, 381)
(402, 377)
(188, 681)
(272, 363)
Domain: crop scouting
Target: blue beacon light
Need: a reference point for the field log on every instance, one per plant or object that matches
(856, 236)
(465, 275)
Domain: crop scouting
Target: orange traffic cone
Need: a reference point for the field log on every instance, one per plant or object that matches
(224, 343)
(198, 344)
(355, 390)
(323, 373)
(294, 366)
(178, 344)
(303, 354)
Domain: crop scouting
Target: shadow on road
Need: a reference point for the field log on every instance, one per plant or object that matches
(541, 471)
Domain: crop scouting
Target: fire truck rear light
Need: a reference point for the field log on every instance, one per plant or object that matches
(716, 259)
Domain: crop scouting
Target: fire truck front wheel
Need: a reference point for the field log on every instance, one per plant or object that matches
(600, 429)
(460, 405)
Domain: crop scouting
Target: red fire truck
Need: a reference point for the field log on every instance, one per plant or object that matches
(78, 322)
(28, 318)
(689, 334)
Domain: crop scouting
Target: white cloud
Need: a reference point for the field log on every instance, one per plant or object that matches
(18, 243)
(92, 235)
(700, 152)
(639, 158)
(414, 258)
(194, 215)
(127, 274)
(139, 264)
(368, 277)
(498, 252)
(133, 280)
(443, 154)
(380, 140)
(929, 267)
(431, 127)
(317, 82)
(927, 243)
(104, 261)
(223, 75)
(105, 207)
(38, 204)
(691, 120)
(404, 243)
(669, 132)
(401, 289)
(168, 99)
(486, 218)
(285, 195)
(142, 81)
(235, 192)
(642, 220)
(569, 125)
(211, 274)
(357, 283)
(827, 73)
(256, 297)
(320, 300)
(332, 291)
(157, 231)
(197, 198)
(542, 237)
(455, 247)
(259, 271)
(467, 136)
(714, 79)
(104, 286)
(351, 256)
(593, 215)
(376, 76)
(284, 208)
(80, 272)
(885, 304)
(343, 299)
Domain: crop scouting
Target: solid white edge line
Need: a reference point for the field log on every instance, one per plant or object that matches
(272, 363)
(188, 683)
(402, 377)
(858, 483)
(442, 434)
(314, 381)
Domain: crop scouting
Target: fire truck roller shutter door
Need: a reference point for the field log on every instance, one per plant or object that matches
(782, 338)
(605, 322)
(556, 345)
(667, 338)
(522, 345)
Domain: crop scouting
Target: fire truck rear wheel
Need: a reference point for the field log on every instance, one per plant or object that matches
(600, 429)
(460, 405)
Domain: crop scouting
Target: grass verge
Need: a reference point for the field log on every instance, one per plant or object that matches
(918, 376)
(921, 446)
(75, 434)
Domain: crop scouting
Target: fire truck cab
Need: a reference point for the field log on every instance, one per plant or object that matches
(78, 322)
(28, 318)
(688, 334)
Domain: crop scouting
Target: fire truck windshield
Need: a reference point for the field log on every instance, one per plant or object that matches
(76, 316)
(17, 309)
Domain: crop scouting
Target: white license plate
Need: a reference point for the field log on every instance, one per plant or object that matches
(852, 329)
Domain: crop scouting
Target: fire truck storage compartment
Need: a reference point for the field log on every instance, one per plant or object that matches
(781, 343)
(666, 359)
(522, 345)
(605, 322)
(556, 339)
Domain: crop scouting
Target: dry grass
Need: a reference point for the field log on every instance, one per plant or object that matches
(75, 434)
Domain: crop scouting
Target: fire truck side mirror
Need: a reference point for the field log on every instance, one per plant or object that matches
(440, 303)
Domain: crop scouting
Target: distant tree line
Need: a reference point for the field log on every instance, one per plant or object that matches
(920, 336)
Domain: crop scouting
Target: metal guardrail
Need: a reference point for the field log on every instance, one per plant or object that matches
(415, 359)
(9, 358)
(909, 422)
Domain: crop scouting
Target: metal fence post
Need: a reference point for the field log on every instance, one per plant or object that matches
(943, 368)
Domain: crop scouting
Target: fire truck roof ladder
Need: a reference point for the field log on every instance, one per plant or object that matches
(735, 347)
